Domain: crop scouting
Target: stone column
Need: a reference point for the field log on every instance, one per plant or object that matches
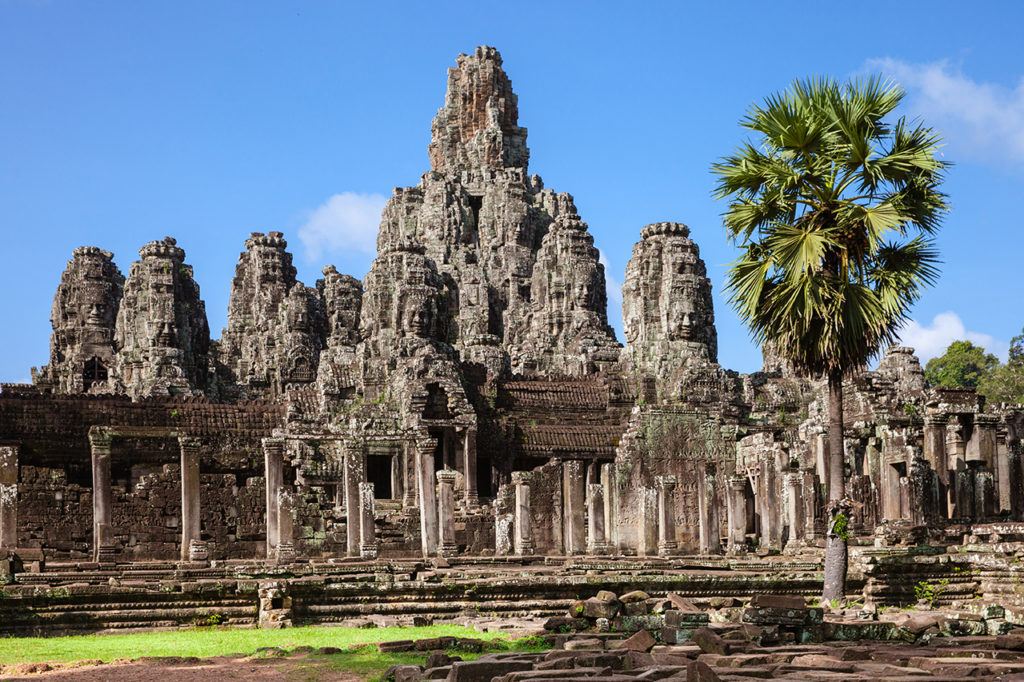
(1015, 468)
(273, 456)
(793, 485)
(285, 550)
(8, 497)
(354, 477)
(446, 512)
(428, 499)
(397, 478)
(367, 526)
(707, 510)
(572, 496)
(647, 520)
(504, 528)
(102, 533)
(523, 521)
(935, 455)
(469, 464)
(666, 515)
(737, 513)
(190, 513)
(610, 517)
(596, 542)
(409, 473)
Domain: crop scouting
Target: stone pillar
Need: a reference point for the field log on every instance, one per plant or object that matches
(707, 509)
(821, 459)
(8, 497)
(647, 520)
(793, 486)
(811, 507)
(737, 513)
(367, 526)
(919, 477)
(428, 499)
(572, 496)
(596, 542)
(611, 525)
(190, 513)
(102, 533)
(1015, 469)
(273, 456)
(472, 497)
(409, 473)
(354, 478)
(446, 512)
(285, 550)
(666, 516)
(523, 522)
(503, 534)
(397, 478)
(935, 455)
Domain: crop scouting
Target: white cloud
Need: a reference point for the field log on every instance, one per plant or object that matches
(932, 340)
(978, 119)
(346, 221)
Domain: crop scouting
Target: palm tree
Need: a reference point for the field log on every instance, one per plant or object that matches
(833, 211)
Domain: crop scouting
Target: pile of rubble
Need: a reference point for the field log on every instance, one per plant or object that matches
(638, 637)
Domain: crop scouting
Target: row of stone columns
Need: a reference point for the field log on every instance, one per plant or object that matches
(192, 546)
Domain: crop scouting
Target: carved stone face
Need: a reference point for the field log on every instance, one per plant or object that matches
(298, 318)
(97, 315)
(418, 318)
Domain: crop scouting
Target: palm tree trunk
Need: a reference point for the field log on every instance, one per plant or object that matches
(838, 507)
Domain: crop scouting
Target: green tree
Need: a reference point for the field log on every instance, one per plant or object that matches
(833, 210)
(963, 364)
(1005, 383)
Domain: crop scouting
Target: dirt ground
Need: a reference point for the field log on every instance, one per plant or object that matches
(182, 670)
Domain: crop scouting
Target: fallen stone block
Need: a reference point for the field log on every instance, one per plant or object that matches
(641, 641)
(584, 643)
(634, 596)
(635, 623)
(699, 671)
(821, 662)
(403, 673)
(709, 642)
(484, 670)
(675, 619)
(777, 601)
(681, 603)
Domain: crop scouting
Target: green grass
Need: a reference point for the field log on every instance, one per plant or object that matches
(208, 642)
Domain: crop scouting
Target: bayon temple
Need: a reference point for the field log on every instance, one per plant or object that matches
(468, 402)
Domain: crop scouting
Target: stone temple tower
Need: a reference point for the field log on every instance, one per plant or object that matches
(84, 310)
(162, 336)
(275, 324)
(485, 222)
(668, 313)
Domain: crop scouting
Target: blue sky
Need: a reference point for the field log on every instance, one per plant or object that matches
(123, 122)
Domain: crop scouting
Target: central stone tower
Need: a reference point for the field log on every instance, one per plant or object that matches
(523, 289)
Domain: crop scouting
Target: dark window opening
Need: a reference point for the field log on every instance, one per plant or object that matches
(475, 205)
(438, 434)
(95, 373)
(437, 403)
(524, 292)
(483, 477)
(378, 472)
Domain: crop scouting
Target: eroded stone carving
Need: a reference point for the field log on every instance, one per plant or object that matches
(84, 310)
(161, 335)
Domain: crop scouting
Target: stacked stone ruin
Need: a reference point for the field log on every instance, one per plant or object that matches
(467, 398)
